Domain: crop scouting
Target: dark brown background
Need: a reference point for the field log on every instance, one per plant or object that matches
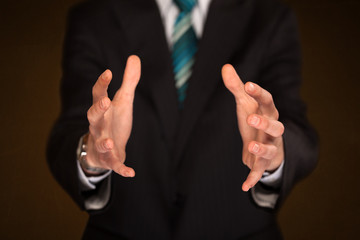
(33, 206)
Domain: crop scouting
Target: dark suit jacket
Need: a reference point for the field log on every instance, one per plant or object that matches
(188, 163)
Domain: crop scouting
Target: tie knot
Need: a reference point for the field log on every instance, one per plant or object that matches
(185, 5)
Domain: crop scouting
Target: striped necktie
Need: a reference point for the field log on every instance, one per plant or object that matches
(184, 47)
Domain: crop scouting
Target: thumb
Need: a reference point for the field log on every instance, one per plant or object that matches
(122, 169)
(131, 79)
(232, 81)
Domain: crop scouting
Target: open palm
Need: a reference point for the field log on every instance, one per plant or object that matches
(111, 121)
(259, 127)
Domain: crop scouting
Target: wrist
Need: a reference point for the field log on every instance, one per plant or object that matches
(82, 157)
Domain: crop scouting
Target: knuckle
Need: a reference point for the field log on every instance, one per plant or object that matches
(100, 146)
(271, 153)
(278, 129)
(106, 102)
(275, 152)
(90, 116)
(276, 114)
(263, 150)
(282, 129)
(268, 99)
(108, 144)
(265, 123)
(251, 146)
(100, 105)
(94, 89)
(92, 130)
(104, 144)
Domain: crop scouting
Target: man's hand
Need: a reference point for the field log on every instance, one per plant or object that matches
(111, 121)
(259, 127)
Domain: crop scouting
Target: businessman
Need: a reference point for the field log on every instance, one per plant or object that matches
(170, 143)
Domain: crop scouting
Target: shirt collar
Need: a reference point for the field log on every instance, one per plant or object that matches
(165, 5)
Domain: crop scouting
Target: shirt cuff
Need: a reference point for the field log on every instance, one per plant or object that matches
(268, 197)
(89, 183)
(273, 179)
(264, 197)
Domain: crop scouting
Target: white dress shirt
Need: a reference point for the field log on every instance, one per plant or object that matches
(169, 12)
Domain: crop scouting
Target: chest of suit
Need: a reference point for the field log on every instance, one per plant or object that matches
(188, 163)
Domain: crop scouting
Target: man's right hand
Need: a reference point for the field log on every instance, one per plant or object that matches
(111, 121)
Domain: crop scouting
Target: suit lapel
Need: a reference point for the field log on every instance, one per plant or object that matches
(221, 36)
(143, 26)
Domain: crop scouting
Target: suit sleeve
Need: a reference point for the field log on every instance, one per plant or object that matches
(82, 64)
(281, 76)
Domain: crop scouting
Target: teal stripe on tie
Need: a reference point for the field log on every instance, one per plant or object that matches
(183, 58)
(184, 47)
(185, 5)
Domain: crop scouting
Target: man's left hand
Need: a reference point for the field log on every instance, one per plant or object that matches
(259, 127)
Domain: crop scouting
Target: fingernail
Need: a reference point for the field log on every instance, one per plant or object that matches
(102, 103)
(255, 148)
(254, 120)
(251, 87)
(128, 174)
(103, 76)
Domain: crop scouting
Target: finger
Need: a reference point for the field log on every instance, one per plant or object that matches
(264, 99)
(255, 174)
(97, 110)
(272, 127)
(131, 79)
(122, 169)
(99, 89)
(232, 81)
(104, 145)
(266, 151)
